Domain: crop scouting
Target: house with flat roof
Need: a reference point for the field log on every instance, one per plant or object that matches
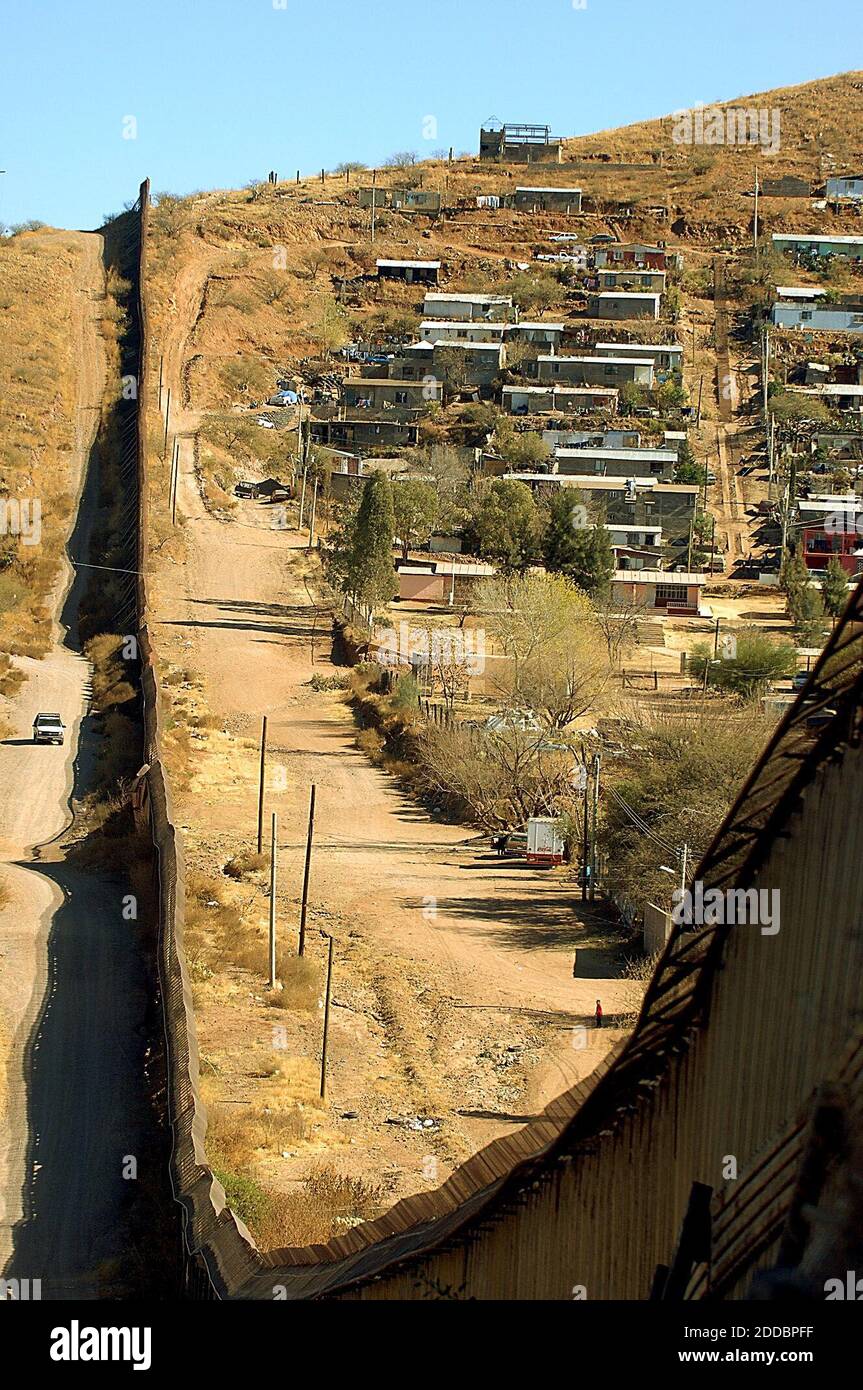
(520, 144)
(481, 363)
(666, 591)
(794, 294)
(815, 245)
(616, 462)
(542, 400)
(547, 335)
(665, 356)
(461, 331)
(610, 370)
(635, 501)
(591, 439)
(375, 393)
(425, 200)
(440, 305)
(623, 304)
(841, 186)
(420, 272)
(632, 278)
(617, 253)
(539, 199)
(819, 318)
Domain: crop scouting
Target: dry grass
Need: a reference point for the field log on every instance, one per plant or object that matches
(37, 400)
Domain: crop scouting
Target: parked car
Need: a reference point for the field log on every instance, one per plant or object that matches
(48, 728)
(246, 489)
(799, 680)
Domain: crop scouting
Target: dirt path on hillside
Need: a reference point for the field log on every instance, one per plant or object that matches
(36, 782)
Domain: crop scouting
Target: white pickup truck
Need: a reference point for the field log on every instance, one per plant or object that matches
(48, 728)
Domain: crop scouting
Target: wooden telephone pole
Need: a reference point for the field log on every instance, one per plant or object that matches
(261, 786)
(307, 872)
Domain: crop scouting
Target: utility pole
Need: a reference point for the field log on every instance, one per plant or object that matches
(305, 903)
(700, 394)
(314, 510)
(302, 499)
(261, 786)
(374, 193)
(755, 226)
(175, 478)
(327, 997)
(167, 418)
(765, 373)
(585, 849)
(685, 869)
(161, 363)
(594, 851)
(716, 641)
(273, 856)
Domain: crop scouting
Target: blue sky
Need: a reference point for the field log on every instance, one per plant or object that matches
(224, 90)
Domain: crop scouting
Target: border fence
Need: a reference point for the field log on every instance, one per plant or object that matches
(739, 1047)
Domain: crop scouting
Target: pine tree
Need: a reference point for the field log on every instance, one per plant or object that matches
(834, 587)
(581, 552)
(371, 575)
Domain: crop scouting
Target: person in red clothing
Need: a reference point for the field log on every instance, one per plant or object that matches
(598, 1014)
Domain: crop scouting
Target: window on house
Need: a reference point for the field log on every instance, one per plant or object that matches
(670, 593)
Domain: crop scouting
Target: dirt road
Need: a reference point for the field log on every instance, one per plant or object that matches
(468, 961)
(71, 972)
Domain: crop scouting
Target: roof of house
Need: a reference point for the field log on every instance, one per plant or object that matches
(414, 265)
(385, 381)
(534, 323)
(687, 577)
(799, 291)
(629, 294)
(640, 347)
(621, 455)
(463, 324)
(553, 388)
(818, 236)
(469, 298)
(623, 361)
(527, 188)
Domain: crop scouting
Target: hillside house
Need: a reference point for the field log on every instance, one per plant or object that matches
(479, 363)
(563, 200)
(520, 144)
(443, 581)
(843, 186)
(814, 245)
(632, 279)
(371, 393)
(461, 331)
(412, 272)
(591, 439)
(616, 463)
(542, 400)
(365, 433)
(662, 590)
(788, 186)
(623, 304)
(617, 253)
(441, 306)
(666, 357)
(611, 370)
(545, 335)
(425, 200)
(819, 318)
(634, 502)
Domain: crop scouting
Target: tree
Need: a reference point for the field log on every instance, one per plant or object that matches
(371, 577)
(453, 368)
(503, 776)
(804, 602)
(450, 478)
(757, 661)
(506, 525)
(521, 448)
(557, 663)
(834, 587)
(415, 508)
(582, 552)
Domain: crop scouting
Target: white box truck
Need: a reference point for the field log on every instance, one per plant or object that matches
(544, 844)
